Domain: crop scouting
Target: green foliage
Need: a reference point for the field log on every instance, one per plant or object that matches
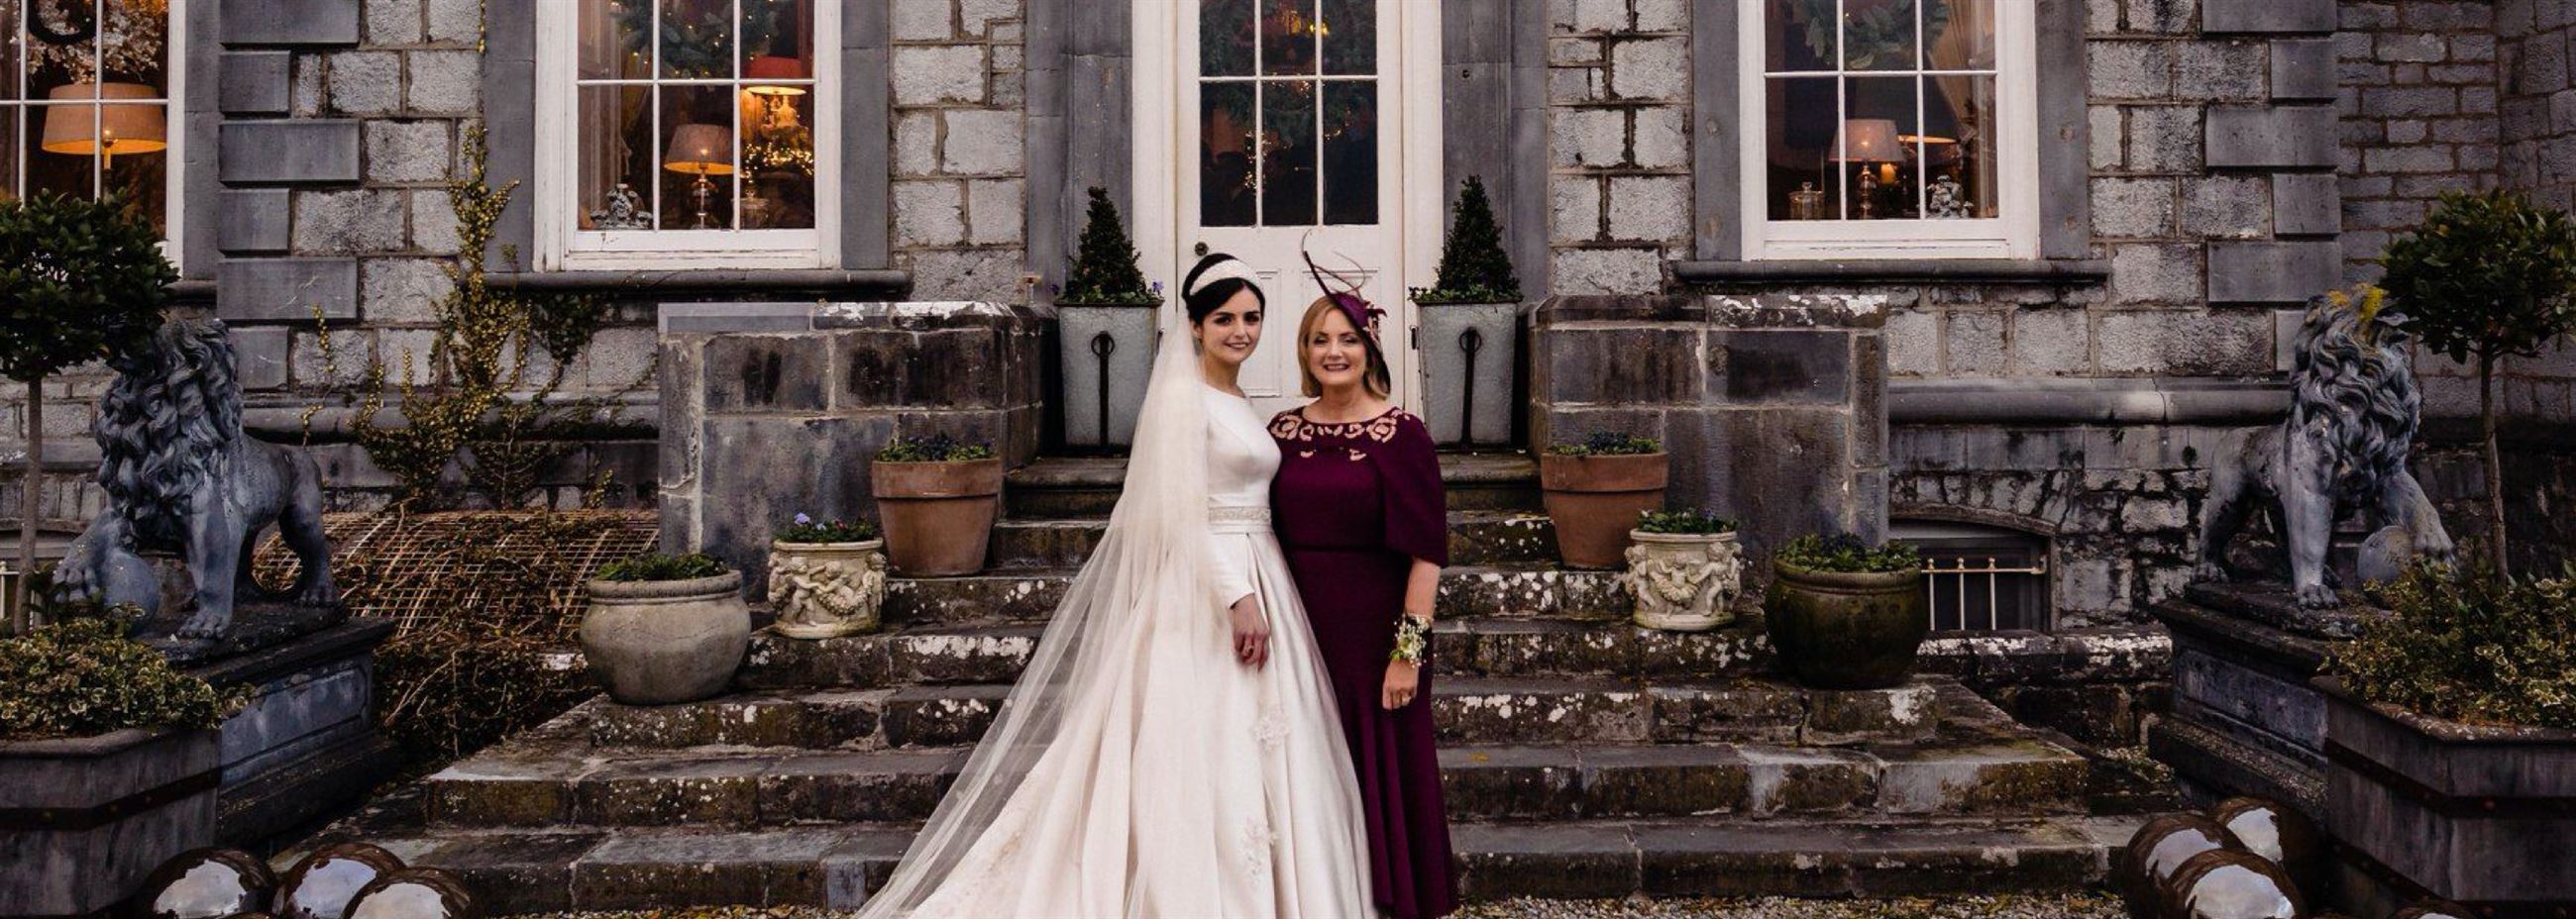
(1844, 553)
(83, 677)
(807, 529)
(1473, 266)
(2468, 645)
(939, 449)
(2488, 274)
(79, 280)
(659, 567)
(698, 40)
(1609, 443)
(1104, 271)
(484, 413)
(1689, 521)
(1867, 33)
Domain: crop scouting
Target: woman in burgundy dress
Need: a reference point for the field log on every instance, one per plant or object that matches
(1359, 508)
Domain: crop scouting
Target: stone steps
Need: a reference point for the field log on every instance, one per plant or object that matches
(1466, 591)
(1070, 488)
(1476, 538)
(559, 869)
(945, 655)
(538, 786)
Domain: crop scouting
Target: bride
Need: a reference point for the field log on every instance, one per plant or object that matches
(1172, 749)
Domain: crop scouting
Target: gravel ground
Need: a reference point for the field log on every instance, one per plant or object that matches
(2084, 906)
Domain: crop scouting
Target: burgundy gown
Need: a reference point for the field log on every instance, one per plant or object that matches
(1354, 505)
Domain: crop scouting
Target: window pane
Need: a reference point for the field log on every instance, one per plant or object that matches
(1878, 34)
(1288, 159)
(1801, 37)
(60, 46)
(1349, 30)
(1350, 151)
(777, 40)
(1225, 38)
(1226, 144)
(1800, 119)
(1959, 35)
(13, 148)
(134, 42)
(1877, 148)
(697, 37)
(69, 166)
(1959, 147)
(778, 188)
(615, 150)
(140, 180)
(1287, 37)
(697, 157)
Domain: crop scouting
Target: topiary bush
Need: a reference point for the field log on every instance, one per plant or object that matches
(1843, 553)
(1473, 266)
(2469, 645)
(83, 677)
(1104, 270)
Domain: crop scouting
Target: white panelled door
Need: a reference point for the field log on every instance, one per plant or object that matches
(1279, 121)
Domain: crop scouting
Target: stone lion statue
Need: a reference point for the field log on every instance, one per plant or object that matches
(181, 477)
(2343, 450)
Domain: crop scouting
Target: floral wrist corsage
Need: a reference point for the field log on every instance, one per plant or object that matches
(1412, 640)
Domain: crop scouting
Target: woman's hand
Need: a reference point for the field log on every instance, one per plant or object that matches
(1403, 682)
(1251, 631)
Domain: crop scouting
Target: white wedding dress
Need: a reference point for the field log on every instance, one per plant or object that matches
(1138, 769)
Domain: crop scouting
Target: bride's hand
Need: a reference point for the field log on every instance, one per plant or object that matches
(1403, 682)
(1251, 631)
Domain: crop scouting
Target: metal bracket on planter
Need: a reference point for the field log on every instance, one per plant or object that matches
(1470, 343)
(1102, 346)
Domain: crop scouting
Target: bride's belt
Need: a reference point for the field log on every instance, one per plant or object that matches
(1235, 518)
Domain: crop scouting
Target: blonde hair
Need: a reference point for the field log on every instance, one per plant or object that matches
(1377, 380)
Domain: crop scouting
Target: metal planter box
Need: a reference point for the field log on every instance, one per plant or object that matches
(1471, 365)
(2483, 816)
(1107, 353)
(83, 820)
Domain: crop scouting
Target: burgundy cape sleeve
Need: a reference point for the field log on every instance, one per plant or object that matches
(1417, 505)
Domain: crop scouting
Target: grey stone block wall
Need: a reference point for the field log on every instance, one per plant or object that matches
(1619, 144)
(960, 159)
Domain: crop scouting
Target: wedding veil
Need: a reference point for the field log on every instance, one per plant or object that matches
(1073, 719)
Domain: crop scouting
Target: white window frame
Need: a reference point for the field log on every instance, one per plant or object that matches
(562, 245)
(174, 129)
(2014, 234)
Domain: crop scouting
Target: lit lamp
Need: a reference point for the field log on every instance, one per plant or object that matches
(1868, 141)
(108, 129)
(766, 73)
(701, 150)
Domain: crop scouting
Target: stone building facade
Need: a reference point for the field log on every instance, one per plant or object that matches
(2201, 168)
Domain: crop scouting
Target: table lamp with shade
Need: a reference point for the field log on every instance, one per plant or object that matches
(109, 128)
(1869, 142)
(774, 75)
(701, 150)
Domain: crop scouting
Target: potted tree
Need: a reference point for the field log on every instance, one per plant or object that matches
(1470, 322)
(87, 279)
(665, 628)
(1684, 570)
(826, 578)
(2488, 276)
(938, 498)
(108, 756)
(1594, 491)
(2451, 735)
(1844, 614)
(1105, 322)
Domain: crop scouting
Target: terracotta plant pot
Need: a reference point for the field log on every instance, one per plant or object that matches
(938, 517)
(1836, 630)
(1594, 501)
(1684, 582)
(826, 589)
(661, 642)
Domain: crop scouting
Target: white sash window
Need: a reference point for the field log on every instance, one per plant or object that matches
(86, 103)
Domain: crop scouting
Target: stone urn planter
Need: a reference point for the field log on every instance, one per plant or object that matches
(2480, 815)
(1838, 629)
(1594, 498)
(83, 820)
(938, 515)
(1684, 581)
(826, 589)
(667, 641)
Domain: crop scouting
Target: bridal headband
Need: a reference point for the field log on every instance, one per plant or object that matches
(1219, 270)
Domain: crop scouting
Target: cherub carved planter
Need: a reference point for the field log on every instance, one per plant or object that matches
(826, 589)
(1684, 582)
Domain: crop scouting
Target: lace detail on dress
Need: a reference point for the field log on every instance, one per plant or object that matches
(1253, 850)
(1292, 425)
(1272, 729)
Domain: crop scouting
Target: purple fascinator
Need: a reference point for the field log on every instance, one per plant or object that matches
(1345, 294)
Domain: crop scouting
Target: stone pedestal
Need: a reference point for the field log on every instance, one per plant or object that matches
(2245, 719)
(1774, 408)
(771, 410)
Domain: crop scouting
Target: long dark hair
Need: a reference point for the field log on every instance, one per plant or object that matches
(1199, 303)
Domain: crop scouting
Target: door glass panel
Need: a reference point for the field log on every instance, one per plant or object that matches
(1226, 151)
(1225, 38)
(1287, 37)
(1288, 175)
(1349, 30)
(1350, 151)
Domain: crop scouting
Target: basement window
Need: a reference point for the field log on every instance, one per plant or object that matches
(1980, 578)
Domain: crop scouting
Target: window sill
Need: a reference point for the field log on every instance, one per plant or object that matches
(1971, 270)
(823, 283)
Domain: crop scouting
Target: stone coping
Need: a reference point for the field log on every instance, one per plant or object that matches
(257, 625)
(823, 281)
(2443, 730)
(777, 317)
(1795, 271)
(94, 746)
(1764, 312)
(2132, 400)
(349, 638)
